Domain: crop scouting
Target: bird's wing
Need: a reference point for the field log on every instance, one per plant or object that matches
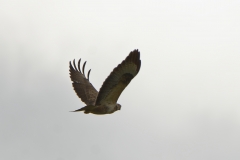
(119, 78)
(81, 84)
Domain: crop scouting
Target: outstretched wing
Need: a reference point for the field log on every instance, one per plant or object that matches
(119, 78)
(82, 86)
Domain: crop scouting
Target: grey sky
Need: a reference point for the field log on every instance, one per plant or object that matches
(183, 104)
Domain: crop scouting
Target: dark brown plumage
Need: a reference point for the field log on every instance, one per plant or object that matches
(104, 102)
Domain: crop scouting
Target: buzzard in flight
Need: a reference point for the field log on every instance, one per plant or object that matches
(104, 101)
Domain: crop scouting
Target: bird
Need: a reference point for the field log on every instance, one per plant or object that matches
(104, 101)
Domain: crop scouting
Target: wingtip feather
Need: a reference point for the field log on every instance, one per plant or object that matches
(79, 69)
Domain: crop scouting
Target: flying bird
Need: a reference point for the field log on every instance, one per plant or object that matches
(104, 101)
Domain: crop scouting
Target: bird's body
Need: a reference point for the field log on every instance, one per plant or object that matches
(101, 109)
(105, 101)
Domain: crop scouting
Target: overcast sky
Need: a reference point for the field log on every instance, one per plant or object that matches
(183, 105)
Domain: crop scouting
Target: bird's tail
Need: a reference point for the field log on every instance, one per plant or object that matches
(78, 110)
(86, 109)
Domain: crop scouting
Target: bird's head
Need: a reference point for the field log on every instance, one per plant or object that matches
(118, 106)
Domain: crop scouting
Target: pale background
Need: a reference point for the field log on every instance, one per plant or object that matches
(183, 105)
